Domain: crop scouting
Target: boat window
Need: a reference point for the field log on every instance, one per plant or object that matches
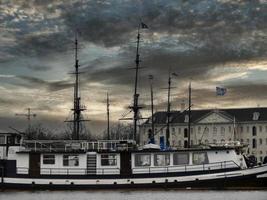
(70, 160)
(180, 158)
(200, 158)
(162, 159)
(108, 159)
(142, 160)
(48, 159)
(2, 140)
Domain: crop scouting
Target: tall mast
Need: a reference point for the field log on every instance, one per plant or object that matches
(76, 102)
(152, 107)
(168, 113)
(135, 107)
(108, 133)
(189, 116)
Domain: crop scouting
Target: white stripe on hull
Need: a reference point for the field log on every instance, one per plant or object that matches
(125, 181)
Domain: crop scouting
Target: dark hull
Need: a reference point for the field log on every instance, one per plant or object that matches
(243, 182)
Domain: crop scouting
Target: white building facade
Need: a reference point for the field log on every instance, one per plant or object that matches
(247, 125)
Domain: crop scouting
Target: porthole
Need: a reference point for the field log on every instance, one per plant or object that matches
(132, 182)
(115, 183)
(153, 182)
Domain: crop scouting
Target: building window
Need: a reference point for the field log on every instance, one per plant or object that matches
(185, 132)
(180, 158)
(70, 160)
(162, 159)
(200, 158)
(199, 129)
(2, 140)
(207, 130)
(214, 130)
(222, 131)
(142, 160)
(247, 129)
(179, 130)
(265, 128)
(108, 159)
(254, 143)
(214, 141)
(254, 131)
(260, 141)
(185, 144)
(260, 128)
(173, 130)
(48, 159)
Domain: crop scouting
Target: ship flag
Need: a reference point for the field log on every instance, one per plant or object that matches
(220, 91)
(143, 25)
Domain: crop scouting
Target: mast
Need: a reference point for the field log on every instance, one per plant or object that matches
(189, 116)
(108, 133)
(152, 108)
(77, 99)
(135, 106)
(28, 115)
(168, 113)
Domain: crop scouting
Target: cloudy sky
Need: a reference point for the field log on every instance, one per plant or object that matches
(210, 42)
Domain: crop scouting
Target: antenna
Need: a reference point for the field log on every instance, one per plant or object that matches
(29, 116)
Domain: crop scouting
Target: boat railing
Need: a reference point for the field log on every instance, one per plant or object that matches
(75, 145)
(69, 171)
(186, 168)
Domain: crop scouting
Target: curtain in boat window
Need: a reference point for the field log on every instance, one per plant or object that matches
(142, 160)
(108, 159)
(180, 158)
(70, 160)
(200, 158)
(161, 159)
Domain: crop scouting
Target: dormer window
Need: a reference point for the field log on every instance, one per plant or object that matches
(256, 116)
(186, 118)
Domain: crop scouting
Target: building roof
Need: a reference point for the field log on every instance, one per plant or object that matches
(239, 114)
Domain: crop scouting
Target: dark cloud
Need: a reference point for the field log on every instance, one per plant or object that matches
(32, 82)
(192, 37)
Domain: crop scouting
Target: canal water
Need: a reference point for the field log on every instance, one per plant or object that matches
(134, 195)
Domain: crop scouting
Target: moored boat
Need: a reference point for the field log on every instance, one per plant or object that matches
(118, 164)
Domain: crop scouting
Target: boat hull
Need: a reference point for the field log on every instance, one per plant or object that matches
(255, 178)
